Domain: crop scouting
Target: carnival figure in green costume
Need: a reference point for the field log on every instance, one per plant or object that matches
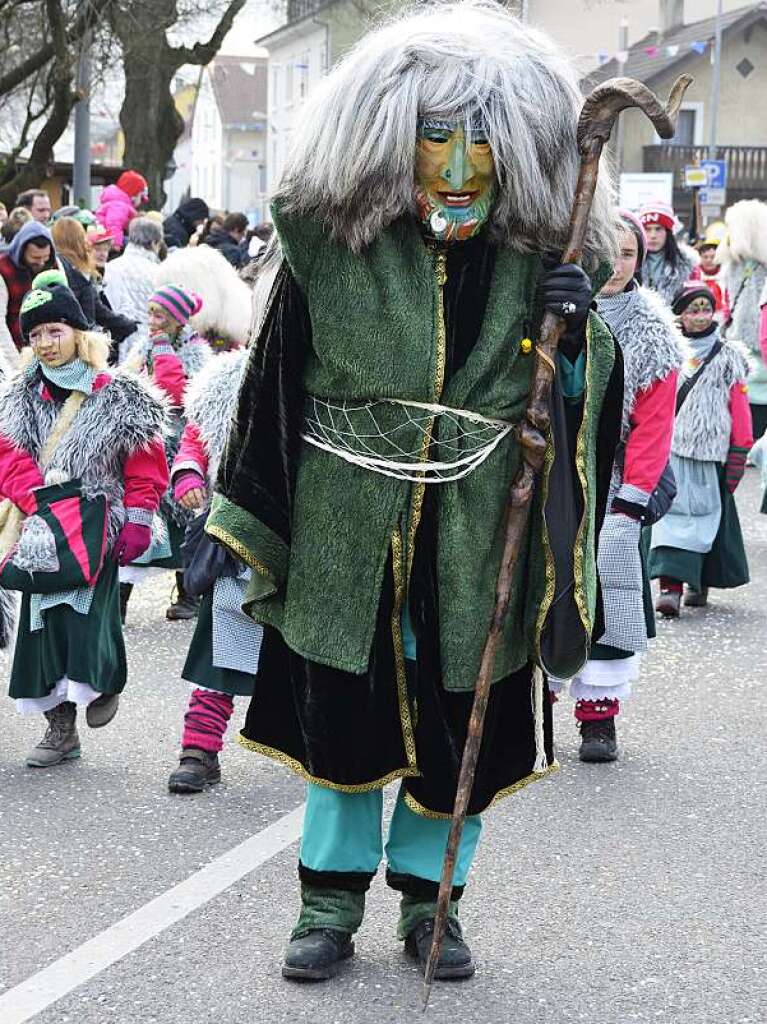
(366, 472)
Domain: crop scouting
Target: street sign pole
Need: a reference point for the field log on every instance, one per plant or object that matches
(716, 78)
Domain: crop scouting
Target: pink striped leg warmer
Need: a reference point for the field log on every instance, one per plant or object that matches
(206, 720)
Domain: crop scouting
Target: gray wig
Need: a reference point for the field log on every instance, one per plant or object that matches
(353, 157)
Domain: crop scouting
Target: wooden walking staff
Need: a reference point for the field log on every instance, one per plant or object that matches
(599, 114)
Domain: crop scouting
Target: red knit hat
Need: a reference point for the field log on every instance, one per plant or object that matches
(132, 183)
(658, 212)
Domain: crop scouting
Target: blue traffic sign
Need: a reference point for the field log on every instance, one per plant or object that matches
(716, 171)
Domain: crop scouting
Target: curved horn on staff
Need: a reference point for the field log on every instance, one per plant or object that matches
(602, 106)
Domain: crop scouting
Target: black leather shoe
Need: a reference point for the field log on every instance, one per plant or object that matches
(197, 769)
(454, 956)
(598, 741)
(317, 955)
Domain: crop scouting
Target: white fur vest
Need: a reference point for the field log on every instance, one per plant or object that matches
(704, 424)
(211, 399)
(114, 421)
(672, 278)
(650, 341)
(745, 283)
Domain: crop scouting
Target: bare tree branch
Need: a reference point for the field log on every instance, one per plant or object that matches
(203, 53)
(88, 18)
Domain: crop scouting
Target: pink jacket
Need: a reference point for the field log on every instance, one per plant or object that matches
(115, 212)
(145, 472)
(652, 427)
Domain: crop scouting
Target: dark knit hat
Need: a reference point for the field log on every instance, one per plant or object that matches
(50, 303)
(690, 293)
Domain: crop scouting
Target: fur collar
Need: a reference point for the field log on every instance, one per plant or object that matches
(211, 399)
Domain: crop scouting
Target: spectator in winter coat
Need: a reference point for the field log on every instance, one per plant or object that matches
(668, 264)
(229, 240)
(181, 225)
(119, 204)
(37, 202)
(129, 280)
(80, 267)
(30, 252)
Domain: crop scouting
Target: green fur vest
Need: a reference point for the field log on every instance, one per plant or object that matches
(378, 332)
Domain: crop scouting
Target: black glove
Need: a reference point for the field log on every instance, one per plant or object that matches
(566, 291)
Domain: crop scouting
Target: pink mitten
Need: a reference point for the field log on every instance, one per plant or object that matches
(185, 481)
(133, 541)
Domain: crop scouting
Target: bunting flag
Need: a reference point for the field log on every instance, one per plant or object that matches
(622, 56)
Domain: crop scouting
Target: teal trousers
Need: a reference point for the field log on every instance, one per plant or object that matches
(343, 833)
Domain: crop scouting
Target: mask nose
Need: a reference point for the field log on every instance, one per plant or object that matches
(459, 167)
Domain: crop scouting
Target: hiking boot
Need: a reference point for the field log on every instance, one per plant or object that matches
(184, 606)
(126, 589)
(668, 603)
(317, 955)
(102, 710)
(197, 769)
(61, 742)
(598, 741)
(696, 598)
(454, 956)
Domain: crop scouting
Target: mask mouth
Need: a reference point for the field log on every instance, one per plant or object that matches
(458, 200)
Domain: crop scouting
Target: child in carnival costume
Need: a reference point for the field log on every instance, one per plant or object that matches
(743, 257)
(223, 656)
(64, 417)
(699, 542)
(172, 355)
(709, 271)
(366, 473)
(668, 264)
(652, 350)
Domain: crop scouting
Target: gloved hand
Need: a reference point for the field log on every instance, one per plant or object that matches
(566, 291)
(735, 467)
(189, 489)
(620, 574)
(134, 539)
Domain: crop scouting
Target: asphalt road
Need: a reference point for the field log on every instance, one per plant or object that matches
(607, 894)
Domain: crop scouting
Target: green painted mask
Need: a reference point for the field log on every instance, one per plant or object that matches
(455, 178)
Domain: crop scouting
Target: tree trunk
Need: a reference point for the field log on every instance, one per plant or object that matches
(149, 119)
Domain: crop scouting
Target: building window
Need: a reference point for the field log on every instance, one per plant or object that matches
(289, 84)
(689, 125)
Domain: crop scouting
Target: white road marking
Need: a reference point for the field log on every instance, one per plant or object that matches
(44, 988)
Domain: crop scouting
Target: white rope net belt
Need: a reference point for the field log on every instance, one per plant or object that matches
(418, 441)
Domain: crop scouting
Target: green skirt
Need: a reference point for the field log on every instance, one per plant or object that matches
(199, 668)
(723, 567)
(85, 648)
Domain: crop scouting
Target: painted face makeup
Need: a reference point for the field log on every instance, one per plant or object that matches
(53, 344)
(698, 316)
(161, 322)
(455, 178)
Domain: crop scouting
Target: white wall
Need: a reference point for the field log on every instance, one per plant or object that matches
(206, 177)
(296, 64)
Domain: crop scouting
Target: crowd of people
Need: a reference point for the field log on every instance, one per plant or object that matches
(316, 495)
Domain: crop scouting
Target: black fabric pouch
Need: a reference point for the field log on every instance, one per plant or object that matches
(204, 560)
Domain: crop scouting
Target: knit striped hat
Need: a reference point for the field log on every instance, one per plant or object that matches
(179, 302)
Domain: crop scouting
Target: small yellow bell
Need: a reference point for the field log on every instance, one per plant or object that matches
(526, 345)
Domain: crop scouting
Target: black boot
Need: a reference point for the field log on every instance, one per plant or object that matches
(126, 589)
(317, 955)
(598, 741)
(184, 607)
(454, 956)
(197, 769)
